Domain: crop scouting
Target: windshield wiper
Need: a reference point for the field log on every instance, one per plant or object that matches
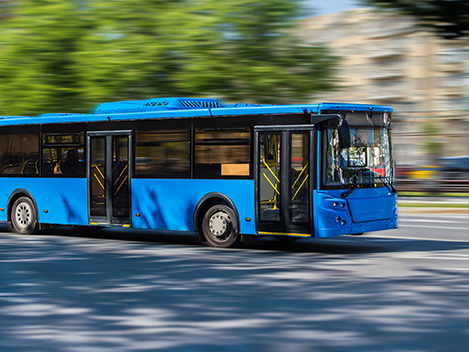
(354, 187)
(388, 184)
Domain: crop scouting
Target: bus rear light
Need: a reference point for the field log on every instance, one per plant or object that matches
(337, 219)
(137, 215)
(46, 211)
(2, 209)
(248, 219)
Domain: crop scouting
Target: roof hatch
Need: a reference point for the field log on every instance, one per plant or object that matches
(157, 104)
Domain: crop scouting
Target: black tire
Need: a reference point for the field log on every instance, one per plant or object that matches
(24, 216)
(357, 234)
(220, 226)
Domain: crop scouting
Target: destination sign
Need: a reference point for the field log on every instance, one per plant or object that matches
(363, 118)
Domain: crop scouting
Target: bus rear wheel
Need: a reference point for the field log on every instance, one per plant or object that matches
(23, 216)
(220, 226)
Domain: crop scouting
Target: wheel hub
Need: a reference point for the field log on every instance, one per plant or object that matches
(219, 224)
(23, 215)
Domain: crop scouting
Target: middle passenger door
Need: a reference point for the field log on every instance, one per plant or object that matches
(283, 167)
(108, 178)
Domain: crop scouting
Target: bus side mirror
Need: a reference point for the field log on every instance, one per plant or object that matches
(344, 135)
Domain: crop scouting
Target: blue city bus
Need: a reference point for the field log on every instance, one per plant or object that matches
(226, 172)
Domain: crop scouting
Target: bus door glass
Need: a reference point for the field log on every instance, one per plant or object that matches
(120, 177)
(98, 180)
(269, 177)
(283, 180)
(299, 177)
(109, 186)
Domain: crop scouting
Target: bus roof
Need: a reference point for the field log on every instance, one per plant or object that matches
(180, 108)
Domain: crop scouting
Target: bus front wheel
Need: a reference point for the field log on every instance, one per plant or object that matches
(23, 216)
(220, 226)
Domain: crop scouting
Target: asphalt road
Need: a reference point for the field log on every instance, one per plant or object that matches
(399, 290)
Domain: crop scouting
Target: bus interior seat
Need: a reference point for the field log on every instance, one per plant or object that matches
(29, 167)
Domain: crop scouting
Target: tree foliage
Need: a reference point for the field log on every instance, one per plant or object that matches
(71, 54)
(450, 18)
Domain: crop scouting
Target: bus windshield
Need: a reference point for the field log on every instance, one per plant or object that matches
(367, 163)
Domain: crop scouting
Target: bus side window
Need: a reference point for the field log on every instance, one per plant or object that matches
(162, 153)
(19, 154)
(221, 154)
(63, 155)
(63, 162)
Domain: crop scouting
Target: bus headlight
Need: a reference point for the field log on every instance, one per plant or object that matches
(337, 204)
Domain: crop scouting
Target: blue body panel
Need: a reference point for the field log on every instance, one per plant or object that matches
(170, 203)
(64, 199)
(69, 118)
(364, 210)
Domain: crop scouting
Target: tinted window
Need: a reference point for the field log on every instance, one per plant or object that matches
(222, 154)
(163, 154)
(63, 155)
(19, 154)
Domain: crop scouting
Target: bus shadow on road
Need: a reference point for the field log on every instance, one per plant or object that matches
(349, 245)
(338, 245)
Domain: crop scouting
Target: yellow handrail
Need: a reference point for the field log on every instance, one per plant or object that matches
(117, 179)
(97, 179)
(299, 176)
(275, 188)
(117, 190)
(97, 168)
(267, 166)
(302, 183)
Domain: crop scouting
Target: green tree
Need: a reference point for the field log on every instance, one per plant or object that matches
(58, 55)
(36, 65)
(450, 18)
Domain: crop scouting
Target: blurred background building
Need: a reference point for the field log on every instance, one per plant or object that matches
(387, 59)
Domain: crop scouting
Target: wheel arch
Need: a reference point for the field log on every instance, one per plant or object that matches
(18, 193)
(209, 200)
